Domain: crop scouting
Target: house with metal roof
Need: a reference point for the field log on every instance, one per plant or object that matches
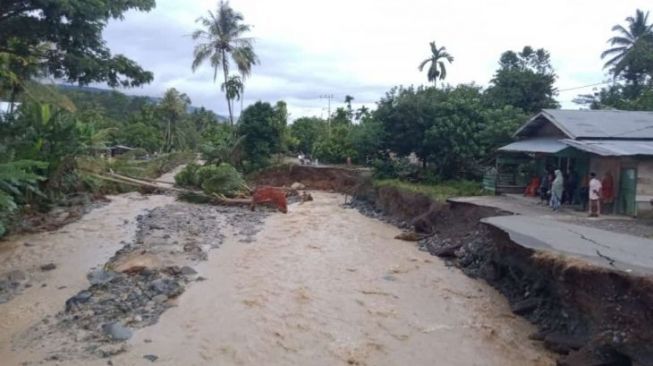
(619, 143)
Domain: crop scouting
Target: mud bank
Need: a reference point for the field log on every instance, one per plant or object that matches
(138, 283)
(587, 314)
(336, 179)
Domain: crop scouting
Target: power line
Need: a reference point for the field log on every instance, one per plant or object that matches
(583, 86)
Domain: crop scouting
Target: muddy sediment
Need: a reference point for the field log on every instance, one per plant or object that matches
(141, 281)
(589, 315)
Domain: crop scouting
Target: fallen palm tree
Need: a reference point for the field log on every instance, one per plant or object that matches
(246, 196)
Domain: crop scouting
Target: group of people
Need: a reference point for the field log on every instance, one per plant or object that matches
(556, 188)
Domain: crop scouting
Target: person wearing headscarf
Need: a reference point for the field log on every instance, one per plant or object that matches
(557, 188)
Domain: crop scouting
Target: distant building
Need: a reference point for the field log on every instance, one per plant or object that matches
(583, 141)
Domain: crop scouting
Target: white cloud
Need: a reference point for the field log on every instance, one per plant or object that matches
(364, 47)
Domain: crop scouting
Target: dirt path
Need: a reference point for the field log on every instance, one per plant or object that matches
(327, 286)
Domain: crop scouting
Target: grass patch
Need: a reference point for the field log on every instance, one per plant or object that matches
(439, 192)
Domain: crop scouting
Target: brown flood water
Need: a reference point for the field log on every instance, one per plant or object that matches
(322, 285)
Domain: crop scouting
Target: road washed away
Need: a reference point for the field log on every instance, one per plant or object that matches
(322, 285)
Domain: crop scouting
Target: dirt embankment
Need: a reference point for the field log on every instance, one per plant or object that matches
(336, 179)
(589, 315)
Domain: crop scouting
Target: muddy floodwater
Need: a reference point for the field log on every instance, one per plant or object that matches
(322, 285)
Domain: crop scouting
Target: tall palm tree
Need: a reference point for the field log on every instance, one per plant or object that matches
(222, 43)
(233, 88)
(437, 70)
(638, 31)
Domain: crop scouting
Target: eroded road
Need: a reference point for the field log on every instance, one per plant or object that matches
(322, 285)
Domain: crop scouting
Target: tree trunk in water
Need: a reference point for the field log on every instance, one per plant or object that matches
(225, 68)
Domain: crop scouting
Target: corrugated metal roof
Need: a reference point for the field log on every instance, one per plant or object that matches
(578, 124)
(543, 145)
(612, 147)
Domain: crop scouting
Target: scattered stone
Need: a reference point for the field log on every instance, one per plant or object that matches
(110, 351)
(525, 306)
(117, 331)
(151, 358)
(28, 244)
(16, 276)
(74, 302)
(100, 277)
(4, 298)
(160, 299)
(390, 278)
(188, 271)
(200, 279)
(48, 267)
(563, 343)
(445, 252)
(147, 340)
(297, 186)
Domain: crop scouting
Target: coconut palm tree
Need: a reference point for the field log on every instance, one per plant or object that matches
(233, 88)
(437, 70)
(637, 32)
(221, 43)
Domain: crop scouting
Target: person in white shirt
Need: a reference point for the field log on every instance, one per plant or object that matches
(595, 196)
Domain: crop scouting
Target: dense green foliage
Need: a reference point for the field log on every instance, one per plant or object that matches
(72, 31)
(524, 80)
(222, 179)
(262, 128)
(630, 63)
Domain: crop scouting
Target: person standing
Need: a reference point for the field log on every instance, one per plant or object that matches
(607, 192)
(557, 188)
(595, 195)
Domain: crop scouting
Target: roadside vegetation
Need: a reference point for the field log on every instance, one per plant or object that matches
(437, 138)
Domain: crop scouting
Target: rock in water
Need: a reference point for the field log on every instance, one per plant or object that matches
(100, 277)
(297, 186)
(48, 267)
(188, 271)
(151, 358)
(117, 331)
(16, 276)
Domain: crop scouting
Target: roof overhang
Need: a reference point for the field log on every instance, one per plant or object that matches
(541, 145)
(536, 121)
(613, 147)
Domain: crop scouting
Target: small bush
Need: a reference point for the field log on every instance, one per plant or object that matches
(187, 177)
(221, 179)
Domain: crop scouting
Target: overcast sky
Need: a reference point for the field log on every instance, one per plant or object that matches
(363, 48)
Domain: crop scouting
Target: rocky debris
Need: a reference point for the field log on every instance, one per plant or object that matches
(136, 286)
(297, 186)
(48, 267)
(12, 284)
(588, 315)
(100, 276)
(525, 306)
(117, 331)
(151, 358)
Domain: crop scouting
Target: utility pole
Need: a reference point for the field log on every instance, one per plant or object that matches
(328, 97)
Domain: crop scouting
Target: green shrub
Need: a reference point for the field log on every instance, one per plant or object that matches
(438, 192)
(223, 179)
(187, 177)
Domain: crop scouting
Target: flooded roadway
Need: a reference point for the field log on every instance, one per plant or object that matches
(322, 285)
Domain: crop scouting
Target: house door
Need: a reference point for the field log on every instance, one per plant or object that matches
(627, 192)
